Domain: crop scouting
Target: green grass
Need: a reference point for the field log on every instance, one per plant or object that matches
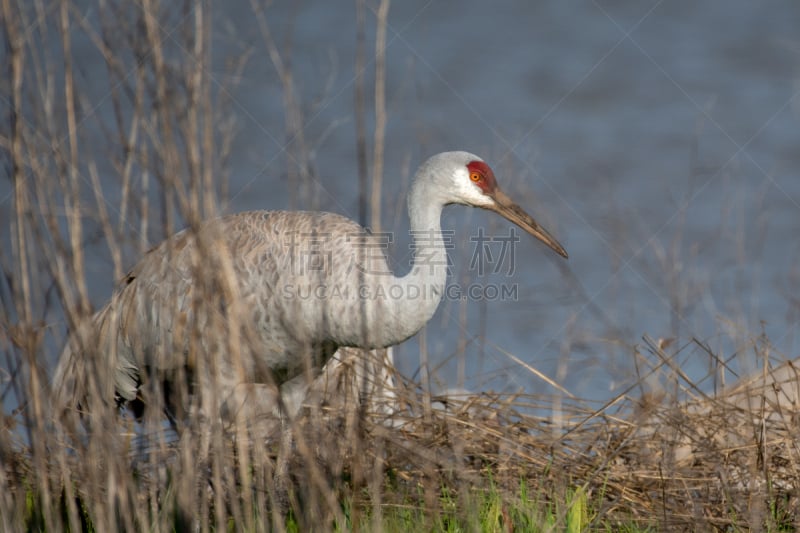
(455, 510)
(486, 510)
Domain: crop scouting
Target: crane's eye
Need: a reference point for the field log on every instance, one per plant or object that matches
(475, 176)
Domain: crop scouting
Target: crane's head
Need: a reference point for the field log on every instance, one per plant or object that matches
(470, 181)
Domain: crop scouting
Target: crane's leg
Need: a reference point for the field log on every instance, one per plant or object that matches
(255, 403)
(268, 412)
(281, 477)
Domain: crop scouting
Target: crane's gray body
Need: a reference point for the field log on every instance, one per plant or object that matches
(266, 298)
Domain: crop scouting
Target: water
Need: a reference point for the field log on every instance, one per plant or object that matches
(657, 140)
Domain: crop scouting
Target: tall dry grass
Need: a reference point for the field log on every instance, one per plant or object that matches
(108, 158)
(111, 165)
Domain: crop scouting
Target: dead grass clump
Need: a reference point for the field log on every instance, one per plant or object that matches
(716, 462)
(720, 462)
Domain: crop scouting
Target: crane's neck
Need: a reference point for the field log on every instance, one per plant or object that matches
(423, 286)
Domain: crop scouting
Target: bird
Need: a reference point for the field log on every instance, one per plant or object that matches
(241, 308)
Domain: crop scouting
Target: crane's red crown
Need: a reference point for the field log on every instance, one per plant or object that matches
(481, 175)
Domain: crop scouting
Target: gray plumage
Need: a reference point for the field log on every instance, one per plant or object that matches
(266, 297)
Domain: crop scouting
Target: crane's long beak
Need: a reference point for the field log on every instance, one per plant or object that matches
(504, 206)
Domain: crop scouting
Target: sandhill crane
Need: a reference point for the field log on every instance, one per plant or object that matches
(253, 300)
